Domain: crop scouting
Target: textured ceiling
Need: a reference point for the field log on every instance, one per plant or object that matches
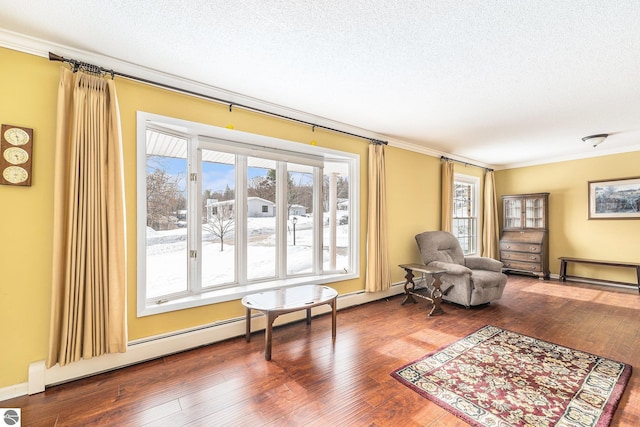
(499, 83)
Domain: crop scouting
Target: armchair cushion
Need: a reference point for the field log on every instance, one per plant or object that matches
(483, 263)
(439, 246)
(451, 268)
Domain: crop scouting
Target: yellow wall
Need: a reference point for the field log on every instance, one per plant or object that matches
(413, 190)
(413, 199)
(571, 233)
(27, 98)
(30, 84)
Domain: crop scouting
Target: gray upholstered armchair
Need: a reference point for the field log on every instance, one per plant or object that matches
(469, 281)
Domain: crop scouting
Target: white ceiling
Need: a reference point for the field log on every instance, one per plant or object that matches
(501, 83)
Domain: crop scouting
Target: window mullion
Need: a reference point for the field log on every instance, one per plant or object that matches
(317, 220)
(282, 212)
(241, 218)
(194, 230)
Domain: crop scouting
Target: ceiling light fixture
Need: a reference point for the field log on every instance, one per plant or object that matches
(595, 140)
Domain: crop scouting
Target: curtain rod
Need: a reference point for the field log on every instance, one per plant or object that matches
(466, 163)
(99, 70)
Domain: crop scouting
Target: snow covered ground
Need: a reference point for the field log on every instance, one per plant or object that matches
(167, 255)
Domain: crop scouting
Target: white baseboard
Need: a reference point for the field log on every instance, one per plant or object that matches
(12, 391)
(159, 346)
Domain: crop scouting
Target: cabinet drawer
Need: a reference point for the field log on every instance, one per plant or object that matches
(517, 265)
(520, 247)
(520, 256)
(535, 237)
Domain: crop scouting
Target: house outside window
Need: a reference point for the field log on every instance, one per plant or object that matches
(465, 212)
(235, 195)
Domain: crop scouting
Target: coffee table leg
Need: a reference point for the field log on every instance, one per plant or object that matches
(333, 318)
(268, 333)
(436, 295)
(409, 286)
(248, 325)
(308, 316)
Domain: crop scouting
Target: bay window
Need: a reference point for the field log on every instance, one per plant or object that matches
(223, 213)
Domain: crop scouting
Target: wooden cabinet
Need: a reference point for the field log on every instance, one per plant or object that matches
(524, 244)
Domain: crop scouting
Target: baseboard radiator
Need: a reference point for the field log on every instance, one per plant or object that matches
(164, 345)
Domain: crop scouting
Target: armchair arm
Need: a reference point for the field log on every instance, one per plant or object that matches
(483, 263)
(451, 268)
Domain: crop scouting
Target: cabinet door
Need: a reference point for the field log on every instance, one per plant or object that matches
(535, 212)
(512, 213)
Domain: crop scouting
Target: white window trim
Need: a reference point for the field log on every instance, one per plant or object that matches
(475, 181)
(278, 148)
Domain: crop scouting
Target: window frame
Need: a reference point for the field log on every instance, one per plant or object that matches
(474, 181)
(253, 145)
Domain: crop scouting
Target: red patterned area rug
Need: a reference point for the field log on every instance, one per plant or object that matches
(496, 377)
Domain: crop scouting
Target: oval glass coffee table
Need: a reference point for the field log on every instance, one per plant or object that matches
(287, 300)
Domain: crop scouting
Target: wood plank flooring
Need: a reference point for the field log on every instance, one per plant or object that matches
(313, 381)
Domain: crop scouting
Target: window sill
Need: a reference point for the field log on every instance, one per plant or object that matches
(237, 292)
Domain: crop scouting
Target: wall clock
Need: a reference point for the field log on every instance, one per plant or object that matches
(16, 144)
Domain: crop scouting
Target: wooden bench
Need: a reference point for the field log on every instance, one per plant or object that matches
(565, 260)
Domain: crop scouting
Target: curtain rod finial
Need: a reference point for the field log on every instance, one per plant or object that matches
(54, 57)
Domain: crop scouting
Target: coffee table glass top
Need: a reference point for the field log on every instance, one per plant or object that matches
(290, 298)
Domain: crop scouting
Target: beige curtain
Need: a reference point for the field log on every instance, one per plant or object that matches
(490, 229)
(446, 221)
(378, 276)
(88, 316)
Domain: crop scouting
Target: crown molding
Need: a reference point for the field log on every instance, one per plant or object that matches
(597, 152)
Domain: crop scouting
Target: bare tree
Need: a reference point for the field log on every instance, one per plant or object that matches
(342, 185)
(220, 222)
(164, 198)
(229, 193)
(263, 186)
(297, 193)
(299, 189)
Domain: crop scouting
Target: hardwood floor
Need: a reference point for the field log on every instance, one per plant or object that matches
(314, 382)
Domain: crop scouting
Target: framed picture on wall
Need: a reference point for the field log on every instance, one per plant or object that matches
(615, 199)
